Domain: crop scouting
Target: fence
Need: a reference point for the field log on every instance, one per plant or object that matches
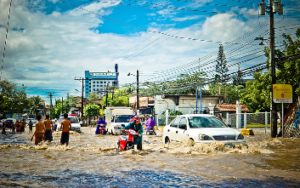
(249, 120)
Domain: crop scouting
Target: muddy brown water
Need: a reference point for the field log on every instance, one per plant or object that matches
(91, 160)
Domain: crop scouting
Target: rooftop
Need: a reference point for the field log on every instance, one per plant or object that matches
(231, 107)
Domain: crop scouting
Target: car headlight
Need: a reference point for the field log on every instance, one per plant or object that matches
(240, 137)
(204, 137)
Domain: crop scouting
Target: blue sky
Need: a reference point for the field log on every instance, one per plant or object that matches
(51, 42)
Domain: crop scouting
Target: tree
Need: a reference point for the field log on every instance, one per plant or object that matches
(35, 105)
(257, 93)
(119, 99)
(229, 92)
(12, 99)
(91, 110)
(93, 96)
(221, 66)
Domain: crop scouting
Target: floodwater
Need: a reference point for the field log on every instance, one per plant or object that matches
(91, 161)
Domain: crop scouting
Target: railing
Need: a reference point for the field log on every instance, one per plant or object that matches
(249, 120)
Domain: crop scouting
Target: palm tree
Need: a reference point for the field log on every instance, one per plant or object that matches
(35, 105)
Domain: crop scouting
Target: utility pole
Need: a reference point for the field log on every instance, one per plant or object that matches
(273, 69)
(50, 95)
(82, 89)
(137, 91)
(274, 7)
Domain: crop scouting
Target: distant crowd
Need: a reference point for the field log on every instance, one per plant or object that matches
(43, 129)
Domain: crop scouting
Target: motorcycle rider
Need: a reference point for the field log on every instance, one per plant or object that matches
(150, 123)
(101, 121)
(137, 126)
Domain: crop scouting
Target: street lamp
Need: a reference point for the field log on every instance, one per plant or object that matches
(137, 89)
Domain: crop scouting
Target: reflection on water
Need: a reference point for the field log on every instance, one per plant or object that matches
(135, 178)
(93, 160)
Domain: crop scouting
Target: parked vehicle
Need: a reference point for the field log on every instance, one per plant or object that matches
(125, 143)
(115, 117)
(76, 124)
(201, 128)
(9, 122)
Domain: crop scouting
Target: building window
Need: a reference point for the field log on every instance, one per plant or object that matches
(93, 82)
(101, 82)
(101, 86)
(105, 82)
(93, 89)
(93, 85)
(97, 82)
(108, 82)
(97, 89)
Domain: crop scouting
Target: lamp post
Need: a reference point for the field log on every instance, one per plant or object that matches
(137, 89)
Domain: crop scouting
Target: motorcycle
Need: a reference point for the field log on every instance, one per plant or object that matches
(151, 131)
(101, 129)
(125, 143)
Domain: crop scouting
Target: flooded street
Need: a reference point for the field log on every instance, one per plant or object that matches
(91, 160)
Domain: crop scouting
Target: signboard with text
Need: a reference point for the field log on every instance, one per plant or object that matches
(282, 93)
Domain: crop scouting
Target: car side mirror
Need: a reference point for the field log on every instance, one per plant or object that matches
(228, 125)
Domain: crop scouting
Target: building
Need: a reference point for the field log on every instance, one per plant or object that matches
(96, 82)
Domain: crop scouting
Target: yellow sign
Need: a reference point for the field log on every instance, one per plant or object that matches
(282, 93)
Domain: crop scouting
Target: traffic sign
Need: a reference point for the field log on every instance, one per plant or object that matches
(282, 93)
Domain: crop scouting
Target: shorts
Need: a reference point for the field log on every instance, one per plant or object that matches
(64, 138)
(38, 137)
(48, 135)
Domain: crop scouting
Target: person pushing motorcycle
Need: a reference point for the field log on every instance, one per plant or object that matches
(137, 126)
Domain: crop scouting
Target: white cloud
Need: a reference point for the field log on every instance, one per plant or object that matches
(54, 48)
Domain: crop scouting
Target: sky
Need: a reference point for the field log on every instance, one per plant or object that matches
(50, 42)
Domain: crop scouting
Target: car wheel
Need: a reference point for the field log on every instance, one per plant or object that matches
(167, 140)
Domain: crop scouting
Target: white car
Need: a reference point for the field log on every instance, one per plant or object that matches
(201, 128)
(76, 125)
(118, 122)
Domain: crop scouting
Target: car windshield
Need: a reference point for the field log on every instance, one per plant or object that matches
(205, 122)
(73, 120)
(123, 118)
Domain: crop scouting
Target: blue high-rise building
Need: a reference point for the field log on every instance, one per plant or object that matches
(96, 82)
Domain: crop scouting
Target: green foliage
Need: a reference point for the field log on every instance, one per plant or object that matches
(12, 99)
(184, 84)
(256, 95)
(119, 99)
(91, 110)
(102, 112)
(221, 66)
(230, 93)
(35, 105)
(93, 96)
(172, 113)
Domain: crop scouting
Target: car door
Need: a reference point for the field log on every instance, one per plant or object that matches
(171, 130)
(181, 131)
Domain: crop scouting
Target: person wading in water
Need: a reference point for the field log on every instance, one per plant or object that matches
(48, 133)
(30, 126)
(65, 126)
(39, 131)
